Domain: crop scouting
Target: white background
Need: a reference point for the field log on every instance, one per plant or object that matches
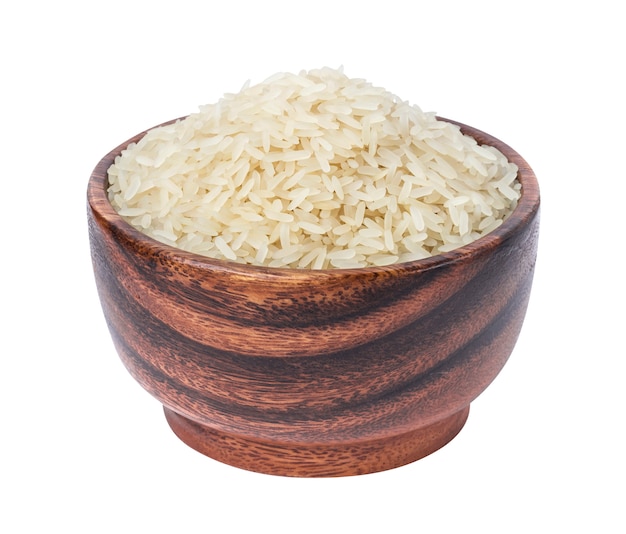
(85, 449)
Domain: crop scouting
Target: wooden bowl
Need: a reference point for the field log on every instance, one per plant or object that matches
(314, 373)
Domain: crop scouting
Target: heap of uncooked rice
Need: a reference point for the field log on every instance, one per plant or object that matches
(314, 170)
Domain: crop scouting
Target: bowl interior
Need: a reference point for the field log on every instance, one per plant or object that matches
(527, 206)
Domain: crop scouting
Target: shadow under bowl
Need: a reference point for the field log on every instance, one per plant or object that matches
(314, 373)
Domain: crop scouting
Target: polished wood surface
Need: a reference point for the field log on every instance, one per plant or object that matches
(314, 373)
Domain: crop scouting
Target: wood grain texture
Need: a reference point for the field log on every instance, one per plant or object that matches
(314, 373)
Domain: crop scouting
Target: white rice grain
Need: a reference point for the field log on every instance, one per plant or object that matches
(313, 171)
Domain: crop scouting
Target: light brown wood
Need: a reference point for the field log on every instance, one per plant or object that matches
(314, 373)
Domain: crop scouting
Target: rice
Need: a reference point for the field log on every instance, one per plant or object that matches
(313, 171)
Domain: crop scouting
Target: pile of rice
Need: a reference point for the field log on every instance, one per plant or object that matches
(314, 170)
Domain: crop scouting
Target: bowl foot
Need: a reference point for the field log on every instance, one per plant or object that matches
(356, 457)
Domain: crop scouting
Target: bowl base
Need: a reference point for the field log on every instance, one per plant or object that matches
(356, 457)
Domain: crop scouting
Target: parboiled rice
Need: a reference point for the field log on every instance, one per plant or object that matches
(314, 170)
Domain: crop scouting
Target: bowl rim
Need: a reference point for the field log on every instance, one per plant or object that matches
(525, 211)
